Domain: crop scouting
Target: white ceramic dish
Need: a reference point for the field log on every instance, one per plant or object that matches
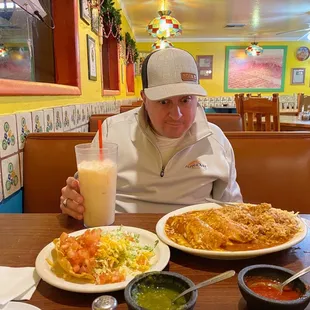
(159, 262)
(224, 255)
(13, 305)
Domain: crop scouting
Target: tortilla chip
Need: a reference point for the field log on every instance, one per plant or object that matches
(66, 265)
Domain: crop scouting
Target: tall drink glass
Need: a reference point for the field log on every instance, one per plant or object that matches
(97, 176)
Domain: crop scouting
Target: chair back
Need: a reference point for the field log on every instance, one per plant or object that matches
(253, 109)
(254, 96)
(93, 121)
(303, 102)
(226, 121)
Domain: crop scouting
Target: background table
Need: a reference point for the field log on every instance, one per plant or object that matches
(22, 236)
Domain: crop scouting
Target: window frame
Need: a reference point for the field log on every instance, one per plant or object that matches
(110, 92)
(67, 60)
(130, 75)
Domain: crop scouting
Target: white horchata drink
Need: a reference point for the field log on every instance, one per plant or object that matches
(97, 176)
(98, 187)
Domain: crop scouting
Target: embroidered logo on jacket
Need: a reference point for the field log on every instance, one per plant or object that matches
(196, 164)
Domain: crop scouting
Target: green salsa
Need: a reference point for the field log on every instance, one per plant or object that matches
(158, 297)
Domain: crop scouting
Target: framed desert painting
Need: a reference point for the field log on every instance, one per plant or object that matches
(264, 73)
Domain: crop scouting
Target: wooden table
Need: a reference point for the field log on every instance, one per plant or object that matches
(292, 123)
(22, 236)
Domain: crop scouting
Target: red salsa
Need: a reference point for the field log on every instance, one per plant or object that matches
(268, 288)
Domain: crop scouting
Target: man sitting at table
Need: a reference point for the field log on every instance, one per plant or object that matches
(169, 155)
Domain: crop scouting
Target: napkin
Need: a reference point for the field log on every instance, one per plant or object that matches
(17, 283)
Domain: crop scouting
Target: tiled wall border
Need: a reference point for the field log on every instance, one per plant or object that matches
(288, 103)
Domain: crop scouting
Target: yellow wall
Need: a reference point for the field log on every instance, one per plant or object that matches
(215, 87)
(91, 90)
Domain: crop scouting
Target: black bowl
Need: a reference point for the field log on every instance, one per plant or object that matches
(256, 301)
(162, 278)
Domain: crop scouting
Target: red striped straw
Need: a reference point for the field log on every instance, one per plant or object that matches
(100, 139)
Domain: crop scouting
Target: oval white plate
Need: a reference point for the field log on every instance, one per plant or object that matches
(225, 255)
(159, 262)
(13, 305)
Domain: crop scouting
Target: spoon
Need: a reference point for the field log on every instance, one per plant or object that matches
(292, 278)
(218, 278)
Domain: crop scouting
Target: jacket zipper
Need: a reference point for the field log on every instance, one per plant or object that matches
(162, 172)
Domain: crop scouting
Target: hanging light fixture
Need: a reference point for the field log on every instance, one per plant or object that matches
(161, 44)
(254, 49)
(164, 26)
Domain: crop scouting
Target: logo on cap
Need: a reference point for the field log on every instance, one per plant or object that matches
(188, 77)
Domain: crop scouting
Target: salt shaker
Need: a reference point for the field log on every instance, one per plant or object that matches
(104, 302)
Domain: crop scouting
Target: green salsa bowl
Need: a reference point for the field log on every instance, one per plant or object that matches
(155, 291)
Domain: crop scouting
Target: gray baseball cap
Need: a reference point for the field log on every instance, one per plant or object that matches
(170, 72)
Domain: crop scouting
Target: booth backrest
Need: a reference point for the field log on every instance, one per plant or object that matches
(272, 167)
(226, 121)
(49, 159)
(93, 121)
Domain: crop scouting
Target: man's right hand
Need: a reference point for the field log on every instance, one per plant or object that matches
(71, 201)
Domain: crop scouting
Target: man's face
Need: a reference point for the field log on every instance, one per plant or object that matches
(173, 116)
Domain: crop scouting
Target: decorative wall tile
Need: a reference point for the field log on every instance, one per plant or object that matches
(94, 109)
(24, 127)
(58, 121)
(72, 117)
(21, 166)
(89, 112)
(37, 121)
(100, 107)
(85, 128)
(83, 113)
(78, 109)
(10, 175)
(49, 120)
(66, 118)
(8, 135)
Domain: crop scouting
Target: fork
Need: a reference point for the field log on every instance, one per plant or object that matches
(222, 203)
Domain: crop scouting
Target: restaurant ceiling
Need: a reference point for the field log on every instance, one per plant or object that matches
(205, 20)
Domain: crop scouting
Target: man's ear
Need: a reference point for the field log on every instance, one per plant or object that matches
(142, 95)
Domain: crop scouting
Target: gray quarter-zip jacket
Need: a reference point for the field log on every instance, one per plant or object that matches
(203, 167)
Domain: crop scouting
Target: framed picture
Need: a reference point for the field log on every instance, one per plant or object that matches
(85, 11)
(264, 73)
(95, 20)
(302, 53)
(91, 55)
(298, 76)
(138, 64)
(205, 66)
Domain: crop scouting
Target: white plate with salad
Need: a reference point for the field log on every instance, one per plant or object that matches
(102, 259)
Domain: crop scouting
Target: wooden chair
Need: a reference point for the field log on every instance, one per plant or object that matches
(238, 100)
(255, 96)
(303, 102)
(254, 108)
